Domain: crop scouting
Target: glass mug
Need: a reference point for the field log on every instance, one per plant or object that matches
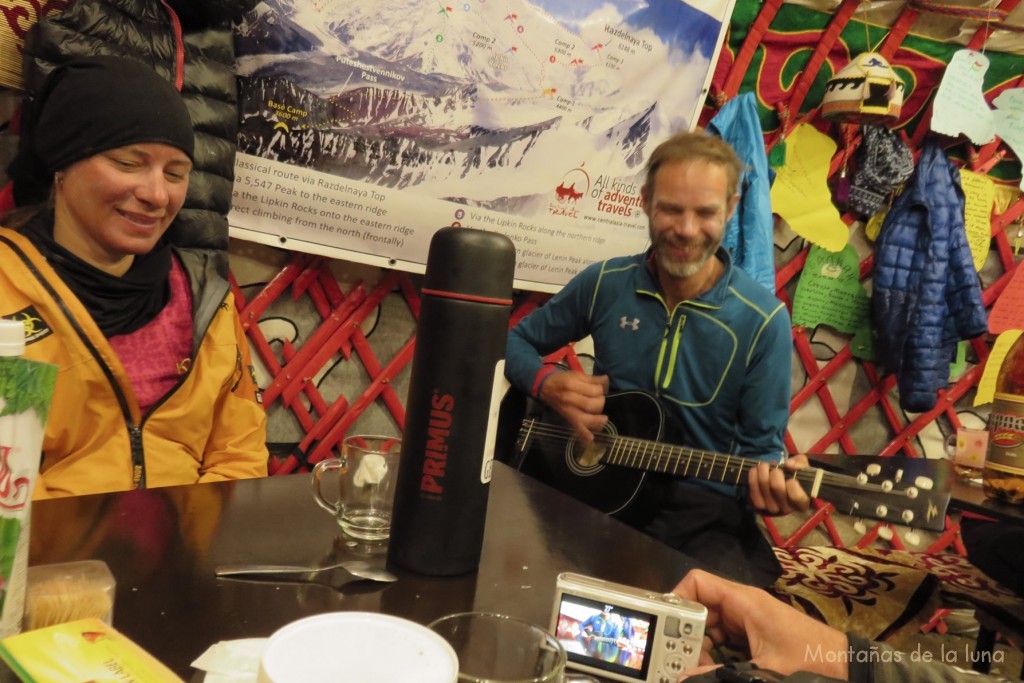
(367, 474)
(967, 449)
(495, 648)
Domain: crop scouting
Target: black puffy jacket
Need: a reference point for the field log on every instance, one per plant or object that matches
(190, 43)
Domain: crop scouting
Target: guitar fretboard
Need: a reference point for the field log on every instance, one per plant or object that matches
(868, 494)
(654, 456)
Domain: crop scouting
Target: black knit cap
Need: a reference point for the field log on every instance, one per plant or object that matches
(91, 105)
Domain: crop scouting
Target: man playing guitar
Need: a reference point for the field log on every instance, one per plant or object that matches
(682, 323)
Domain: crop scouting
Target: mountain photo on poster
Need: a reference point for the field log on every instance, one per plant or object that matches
(542, 110)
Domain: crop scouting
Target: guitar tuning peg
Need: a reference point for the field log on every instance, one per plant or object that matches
(873, 469)
(885, 533)
(859, 527)
(899, 475)
(887, 486)
(913, 538)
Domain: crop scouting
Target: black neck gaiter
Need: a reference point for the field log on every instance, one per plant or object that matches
(119, 305)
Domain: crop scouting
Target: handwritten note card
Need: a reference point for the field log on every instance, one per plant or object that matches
(829, 291)
(800, 193)
(1008, 311)
(987, 384)
(1009, 121)
(979, 193)
(960, 105)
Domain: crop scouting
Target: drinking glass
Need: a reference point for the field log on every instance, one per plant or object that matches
(368, 471)
(495, 648)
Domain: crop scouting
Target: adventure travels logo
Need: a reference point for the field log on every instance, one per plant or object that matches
(617, 197)
(574, 186)
(613, 195)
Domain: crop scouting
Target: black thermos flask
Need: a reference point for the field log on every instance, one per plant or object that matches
(440, 507)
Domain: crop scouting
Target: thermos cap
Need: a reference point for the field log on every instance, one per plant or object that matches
(471, 262)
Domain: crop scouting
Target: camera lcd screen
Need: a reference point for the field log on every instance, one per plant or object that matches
(605, 636)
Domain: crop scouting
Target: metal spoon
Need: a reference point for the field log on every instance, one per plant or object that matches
(334, 576)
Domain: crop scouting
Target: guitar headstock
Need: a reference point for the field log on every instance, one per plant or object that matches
(908, 491)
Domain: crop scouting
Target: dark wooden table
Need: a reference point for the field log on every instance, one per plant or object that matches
(162, 546)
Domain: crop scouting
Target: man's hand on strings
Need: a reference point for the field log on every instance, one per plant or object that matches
(579, 399)
(775, 490)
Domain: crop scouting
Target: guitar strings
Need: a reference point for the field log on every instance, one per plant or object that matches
(647, 449)
(629, 451)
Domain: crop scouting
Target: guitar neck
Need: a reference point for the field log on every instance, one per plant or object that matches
(653, 456)
(871, 493)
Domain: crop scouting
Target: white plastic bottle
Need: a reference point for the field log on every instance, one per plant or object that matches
(26, 388)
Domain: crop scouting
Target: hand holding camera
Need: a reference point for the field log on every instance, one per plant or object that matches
(623, 633)
(765, 630)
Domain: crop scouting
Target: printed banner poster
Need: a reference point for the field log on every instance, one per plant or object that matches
(367, 126)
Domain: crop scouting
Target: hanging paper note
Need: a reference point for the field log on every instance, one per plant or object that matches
(1009, 121)
(960, 105)
(979, 195)
(987, 384)
(829, 291)
(800, 193)
(1008, 311)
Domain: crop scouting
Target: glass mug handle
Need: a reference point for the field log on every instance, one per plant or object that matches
(951, 445)
(318, 473)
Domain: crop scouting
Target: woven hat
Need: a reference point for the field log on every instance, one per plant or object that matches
(866, 90)
(884, 163)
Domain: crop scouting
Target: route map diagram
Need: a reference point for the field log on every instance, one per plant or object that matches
(367, 126)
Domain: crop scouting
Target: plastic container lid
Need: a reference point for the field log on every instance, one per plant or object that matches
(12, 337)
(357, 646)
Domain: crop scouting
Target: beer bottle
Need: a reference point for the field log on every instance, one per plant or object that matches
(1003, 477)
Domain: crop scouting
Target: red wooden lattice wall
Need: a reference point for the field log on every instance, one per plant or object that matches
(325, 420)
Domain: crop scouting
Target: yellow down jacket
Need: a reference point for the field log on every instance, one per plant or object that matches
(210, 427)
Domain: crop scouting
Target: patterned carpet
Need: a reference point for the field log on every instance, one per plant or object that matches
(889, 594)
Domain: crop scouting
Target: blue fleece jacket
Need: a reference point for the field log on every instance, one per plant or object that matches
(720, 363)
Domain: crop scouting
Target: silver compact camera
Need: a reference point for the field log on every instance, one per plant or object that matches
(624, 633)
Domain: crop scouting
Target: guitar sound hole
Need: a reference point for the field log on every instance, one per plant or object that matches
(586, 460)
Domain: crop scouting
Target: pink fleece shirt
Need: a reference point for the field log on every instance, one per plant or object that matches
(158, 354)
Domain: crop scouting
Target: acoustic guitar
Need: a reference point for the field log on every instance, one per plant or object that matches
(610, 474)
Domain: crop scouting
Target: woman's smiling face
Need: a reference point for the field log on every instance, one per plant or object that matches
(117, 204)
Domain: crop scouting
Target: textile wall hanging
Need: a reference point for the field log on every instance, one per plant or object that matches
(16, 17)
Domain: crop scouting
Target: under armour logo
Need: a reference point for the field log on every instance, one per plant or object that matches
(634, 323)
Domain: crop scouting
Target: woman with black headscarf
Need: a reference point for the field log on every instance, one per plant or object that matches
(156, 386)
